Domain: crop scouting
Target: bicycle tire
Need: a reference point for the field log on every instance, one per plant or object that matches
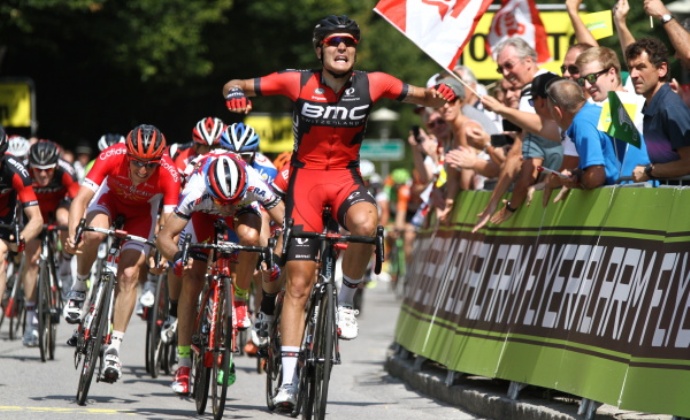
(225, 336)
(43, 310)
(92, 350)
(200, 373)
(18, 321)
(324, 336)
(273, 359)
(305, 400)
(54, 307)
(157, 316)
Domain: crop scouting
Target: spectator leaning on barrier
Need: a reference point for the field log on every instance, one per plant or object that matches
(666, 123)
(569, 108)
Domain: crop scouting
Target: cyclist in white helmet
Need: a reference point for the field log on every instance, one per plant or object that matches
(19, 148)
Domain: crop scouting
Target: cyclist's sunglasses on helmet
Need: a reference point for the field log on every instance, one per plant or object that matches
(247, 156)
(149, 164)
(335, 40)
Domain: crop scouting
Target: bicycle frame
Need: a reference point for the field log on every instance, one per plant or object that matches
(94, 329)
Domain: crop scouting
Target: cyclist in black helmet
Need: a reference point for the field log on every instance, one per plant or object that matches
(331, 109)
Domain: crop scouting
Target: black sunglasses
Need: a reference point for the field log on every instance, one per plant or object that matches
(334, 41)
(151, 164)
(572, 69)
(592, 77)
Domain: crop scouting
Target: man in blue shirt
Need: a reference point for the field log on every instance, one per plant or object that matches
(598, 163)
(666, 123)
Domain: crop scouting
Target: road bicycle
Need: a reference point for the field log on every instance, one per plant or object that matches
(94, 328)
(13, 300)
(397, 263)
(48, 292)
(216, 335)
(319, 349)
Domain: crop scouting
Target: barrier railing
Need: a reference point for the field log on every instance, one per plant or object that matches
(590, 296)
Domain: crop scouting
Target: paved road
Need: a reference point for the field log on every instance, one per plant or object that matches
(360, 388)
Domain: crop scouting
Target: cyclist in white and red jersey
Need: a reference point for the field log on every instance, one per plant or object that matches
(331, 108)
(15, 189)
(222, 187)
(55, 184)
(129, 180)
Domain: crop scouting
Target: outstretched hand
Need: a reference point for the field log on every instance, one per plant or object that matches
(236, 101)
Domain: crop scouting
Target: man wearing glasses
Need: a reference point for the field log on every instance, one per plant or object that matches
(55, 184)
(130, 180)
(331, 109)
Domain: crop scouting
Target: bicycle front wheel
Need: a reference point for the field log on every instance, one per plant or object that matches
(322, 356)
(223, 368)
(200, 371)
(92, 351)
(43, 311)
(273, 358)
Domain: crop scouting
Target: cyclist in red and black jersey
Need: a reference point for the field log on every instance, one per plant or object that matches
(331, 108)
(55, 184)
(15, 186)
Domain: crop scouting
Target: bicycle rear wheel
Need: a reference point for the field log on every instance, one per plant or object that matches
(157, 316)
(92, 350)
(322, 356)
(223, 369)
(272, 357)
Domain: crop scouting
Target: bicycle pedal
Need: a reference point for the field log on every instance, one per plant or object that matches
(55, 316)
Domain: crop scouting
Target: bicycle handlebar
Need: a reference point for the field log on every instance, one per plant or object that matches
(115, 233)
(334, 238)
(226, 246)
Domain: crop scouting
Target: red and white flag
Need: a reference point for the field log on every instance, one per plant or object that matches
(441, 28)
(519, 18)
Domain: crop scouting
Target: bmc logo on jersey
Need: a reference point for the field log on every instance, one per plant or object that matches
(334, 112)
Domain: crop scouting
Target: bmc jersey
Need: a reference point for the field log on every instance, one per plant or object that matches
(195, 197)
(112, 167)
(64, 184)
(15, 183)
(329, 126)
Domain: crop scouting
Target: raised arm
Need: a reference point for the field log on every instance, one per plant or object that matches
(677, 34)
(620, 13)
(582, 34)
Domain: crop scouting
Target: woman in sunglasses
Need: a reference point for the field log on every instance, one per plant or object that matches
(130, 180)
(331, 108)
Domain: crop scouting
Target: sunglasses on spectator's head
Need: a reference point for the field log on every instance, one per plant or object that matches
(591, 78)
(150, 164)
(572, 69)
(335, 40)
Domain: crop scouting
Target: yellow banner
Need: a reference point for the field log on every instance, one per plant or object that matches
(560, 35)
(275, 131)
(15, 103)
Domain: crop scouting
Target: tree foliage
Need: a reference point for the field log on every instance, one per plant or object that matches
(105, 65)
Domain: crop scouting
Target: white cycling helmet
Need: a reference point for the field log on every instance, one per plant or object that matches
(367, 169)
(18, 146)
(207, 131)
(109, 139)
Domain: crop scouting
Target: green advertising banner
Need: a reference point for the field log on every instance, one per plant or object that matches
(590, 296)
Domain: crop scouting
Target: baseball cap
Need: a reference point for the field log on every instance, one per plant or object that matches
(454, 84)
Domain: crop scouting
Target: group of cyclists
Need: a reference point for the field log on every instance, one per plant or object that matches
(165, 191)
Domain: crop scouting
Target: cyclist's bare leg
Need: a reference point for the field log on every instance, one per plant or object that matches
(361, 220)
(61, 219)
(300, 277)
(132, 261)
(248, 231)
(89, 251)
(29, 274)
(4, 249)
(192, 283)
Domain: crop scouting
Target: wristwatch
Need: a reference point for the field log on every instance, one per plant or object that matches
(666, 18)
(510, 208)
(648, 171)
